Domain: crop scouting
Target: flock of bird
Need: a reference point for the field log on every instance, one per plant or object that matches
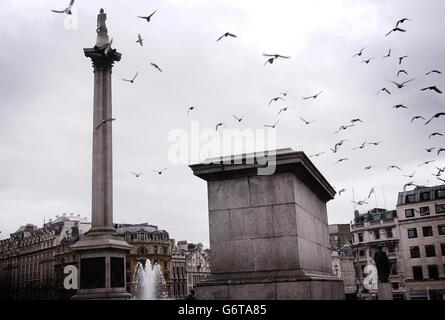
(271, 58)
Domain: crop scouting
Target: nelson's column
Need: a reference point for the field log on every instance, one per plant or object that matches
(101, 252)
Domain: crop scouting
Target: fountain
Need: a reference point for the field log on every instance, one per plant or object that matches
(150, 283)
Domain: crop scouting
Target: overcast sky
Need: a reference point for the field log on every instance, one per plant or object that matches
(46, 95)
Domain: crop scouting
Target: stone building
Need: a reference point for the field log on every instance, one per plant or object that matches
(148, 242)
(178, 271)
(421, 215)
(28, 258)
(377, 227)
(339, 235)
(343, 268)
(197, 264)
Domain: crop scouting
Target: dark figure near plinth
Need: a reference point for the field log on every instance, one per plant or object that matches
(191, 296)
(382, 264)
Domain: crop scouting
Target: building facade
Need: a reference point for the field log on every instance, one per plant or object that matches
(178, 272)
(371, 230)
(343, 268)
(421, 215)
(339, 235)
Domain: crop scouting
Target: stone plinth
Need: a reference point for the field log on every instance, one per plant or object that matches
(268, 233)
(384, 291)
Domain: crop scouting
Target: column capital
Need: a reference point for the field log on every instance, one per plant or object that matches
(102, 60)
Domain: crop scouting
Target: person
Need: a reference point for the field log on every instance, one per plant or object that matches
(382, 264)
(191, 296)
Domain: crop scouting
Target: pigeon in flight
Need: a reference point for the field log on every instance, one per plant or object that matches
(341, 160)
(159, 171)
(356, 120)
(437, 115)
(397, 106)
(136, 174)
(275, 56)
(443, 180)
(368, 168)
(429, 149)
(393, 167)
(272, 125)
(360, 203)
(417, 117)
(371, 192)
(275, 100)
(375, 143)
(156, 66)
(306, 122)
(238, 119)
(433, 71)
(283, 109)
(400, 85)
(435, 134)
(140, 40)
(361, 146)
(314, 96)
(67, 10)
(341, 191)
(104, 121)
(402, 21)
(270, 60)
(425, 163)
(401, 59)
(440, 150)
(227, 34)
(358, 54)
(284, 93)
(388, 54)
(401, 71)
(434, 88)
(410, 175)
(190, 109)
(131, 80)
(385, 90)
(368, 60)
(344, 127)
(220, 125)
(148, 17)
(394, 30)
(317, 154)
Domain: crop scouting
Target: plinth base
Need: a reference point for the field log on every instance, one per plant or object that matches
(384, 291)
(302, 288)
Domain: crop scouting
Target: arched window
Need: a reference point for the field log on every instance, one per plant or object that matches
(142, 250)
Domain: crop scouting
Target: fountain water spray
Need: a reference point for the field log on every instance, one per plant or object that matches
(150, 283)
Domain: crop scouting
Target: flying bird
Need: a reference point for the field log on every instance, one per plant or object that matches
(238, 119)
(344, 127)
(104, 121)
(276, 56)
(314, 96)
(401, 71)
(425, 163)
(360, 203)
(443, 180)
(306, 122)
(375, 143)
(140, 40)
(148, 17)
(159, 171)
(156, 66)
(394, 30)
(434, 88)
(435, 134)
(433, 71)
(284, 93)
(67, 10)
(190, 109)
(410, 175)
(397, 106)
(220, 125)
(388, 54)
(437, 115)
(371, 192)
(401, 59)
(368, 60)
(341, 160)
(385, 90)
(356, 120)
(393, 167)
(270, 60)
(402, 21)
(132, 80)
(275, 100)
(283, 109)
(272, 125)
(417, 117)
(227, 34)
(440, 150)
(341, 191)
(400, 85)
(317, 154)
(368, 168)
(136, 174)
(359, 53)
(361, 146)
(430, 149)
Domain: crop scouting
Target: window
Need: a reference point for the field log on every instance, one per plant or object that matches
(424, 211)
(430, 250)
(389, 232)
(412, 233)
(415, 252)
(395, 285)
(433, 272)
(440, 208)
(442, 248)
(362, 253)
(425, 196)
(441, 229)
(440, 194)
(417, 273)
(376, 234)
(427, 231)
(360, 237)
(410, 198)
(409, 213)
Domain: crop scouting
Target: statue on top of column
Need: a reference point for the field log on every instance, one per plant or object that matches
(102, 32)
